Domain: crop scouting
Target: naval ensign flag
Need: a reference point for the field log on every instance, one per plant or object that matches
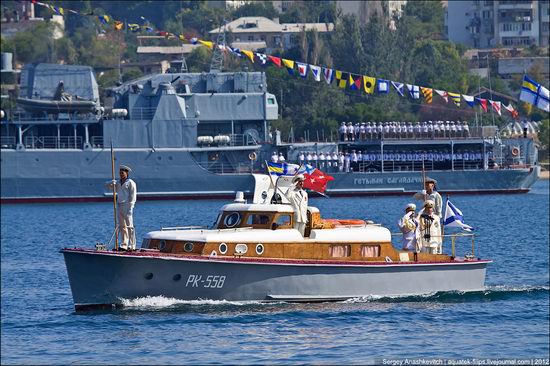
(454, 217)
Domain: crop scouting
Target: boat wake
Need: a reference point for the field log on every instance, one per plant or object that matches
(491, 293)
(161, 302)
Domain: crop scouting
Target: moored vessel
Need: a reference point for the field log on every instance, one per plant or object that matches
(253, 253)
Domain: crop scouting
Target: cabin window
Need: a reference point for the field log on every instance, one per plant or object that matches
(233, 219)
(257, 219)
(370, 251)
(340, 251)
(283, 220)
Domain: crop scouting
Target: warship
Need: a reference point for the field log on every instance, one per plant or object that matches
(203, 135)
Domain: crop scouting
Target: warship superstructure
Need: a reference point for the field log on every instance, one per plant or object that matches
(202, 135)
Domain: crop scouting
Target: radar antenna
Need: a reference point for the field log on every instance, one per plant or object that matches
(216, 64)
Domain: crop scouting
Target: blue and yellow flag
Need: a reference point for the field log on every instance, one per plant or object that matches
(529, 90)
(455, 97)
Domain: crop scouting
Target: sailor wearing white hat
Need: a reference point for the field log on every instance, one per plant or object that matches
(408, 225)
(298, 200)
(126, 192)
(429, 238)
(429, 193)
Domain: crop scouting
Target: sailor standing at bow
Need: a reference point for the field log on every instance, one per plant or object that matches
(126, 192)
(298, 200)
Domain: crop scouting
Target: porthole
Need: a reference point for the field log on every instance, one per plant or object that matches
(37, 159)
(162, 245)
(176, 277)
(188, 247)
(223, 248)
(259, 249)
(148, 276)
(241, 249)
(232, 220)
(159, 157)
(170, 158)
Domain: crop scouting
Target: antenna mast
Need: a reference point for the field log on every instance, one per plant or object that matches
(183, 68)
(217, 53)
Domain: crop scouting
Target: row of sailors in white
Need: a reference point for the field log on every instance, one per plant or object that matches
(344, 160)
(371, 130)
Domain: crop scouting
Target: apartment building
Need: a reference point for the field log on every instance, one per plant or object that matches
(259, 33)
(492, 23)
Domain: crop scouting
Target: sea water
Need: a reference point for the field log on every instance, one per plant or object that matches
(508, 320)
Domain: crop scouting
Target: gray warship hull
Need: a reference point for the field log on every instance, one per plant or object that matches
(104, 279)
(174, 174)
(193, 135)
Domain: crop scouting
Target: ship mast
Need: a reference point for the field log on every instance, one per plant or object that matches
(216, 64)
(183, 68)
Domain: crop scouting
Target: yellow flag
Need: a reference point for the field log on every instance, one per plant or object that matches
(181, 37)
(289, 64)
(248, 54)
(341, 79)
(211, 45)
(369, 83)
(118, 25)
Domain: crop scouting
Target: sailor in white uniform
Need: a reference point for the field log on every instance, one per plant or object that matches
(429, 230)
(429, 193)
(298, 200)
(126, 192)
(408, 225)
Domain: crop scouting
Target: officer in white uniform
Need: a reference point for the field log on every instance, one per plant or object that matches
(429, 230)
(408, 225)
(298, 200)
(126, 192)
(429, 193)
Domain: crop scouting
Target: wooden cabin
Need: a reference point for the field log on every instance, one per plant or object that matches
(266, 231)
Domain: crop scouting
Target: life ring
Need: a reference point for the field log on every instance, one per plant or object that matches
(515, 151)
(252, 156)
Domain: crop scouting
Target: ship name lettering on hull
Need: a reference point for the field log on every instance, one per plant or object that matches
(388, 180)
(208, 282)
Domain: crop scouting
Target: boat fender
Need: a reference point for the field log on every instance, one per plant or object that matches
(388, 259)
(515, 151)
(252, 156)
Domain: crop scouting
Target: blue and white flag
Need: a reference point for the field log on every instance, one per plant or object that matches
(469, 100)
(235, 51)
(306, 169)
(329, 75)
(535, 94)
(383, 86)
(316, 71)
(454, 217)
(302, 69)
(414, 91)
(398, 87)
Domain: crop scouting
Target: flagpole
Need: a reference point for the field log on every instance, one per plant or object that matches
(424, 180)
(114, 193)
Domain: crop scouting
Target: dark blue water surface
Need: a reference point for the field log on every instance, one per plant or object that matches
(510, 319)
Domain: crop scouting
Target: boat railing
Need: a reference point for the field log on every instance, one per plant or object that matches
(7, 142)
(222, 168)
(242, 140)
(63, 118)
(143, 113)
(53, 142)
(183, 228)
(96, 141)
(454, 238)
